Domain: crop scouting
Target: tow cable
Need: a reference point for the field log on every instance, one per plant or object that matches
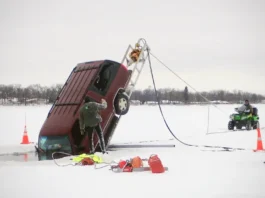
(161, 112)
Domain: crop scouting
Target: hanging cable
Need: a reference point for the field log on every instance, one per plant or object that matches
(158, 100)
(186, 82)
(162, 114)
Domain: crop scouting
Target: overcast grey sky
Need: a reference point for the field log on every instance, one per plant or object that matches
(211, 44)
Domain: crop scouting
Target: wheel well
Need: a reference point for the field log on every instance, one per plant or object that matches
(120, 90)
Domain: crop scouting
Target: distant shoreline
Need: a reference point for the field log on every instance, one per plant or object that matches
(137, 104)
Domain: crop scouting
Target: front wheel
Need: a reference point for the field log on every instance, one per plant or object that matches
(255, 125)
(248, 125)
(231, 125)
(121, 104)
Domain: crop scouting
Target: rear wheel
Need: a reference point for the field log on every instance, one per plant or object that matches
(121, 103)
(231, 125)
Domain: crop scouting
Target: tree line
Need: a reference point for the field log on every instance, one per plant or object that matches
(167, 95)
(31, 94)
(15, 93)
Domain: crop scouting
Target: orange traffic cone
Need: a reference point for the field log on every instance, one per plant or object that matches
(25, 139)
(259, 141)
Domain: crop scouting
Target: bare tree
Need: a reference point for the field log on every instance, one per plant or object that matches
(186, 95)
(36, 92)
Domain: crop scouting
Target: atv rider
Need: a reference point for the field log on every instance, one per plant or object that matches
(89, 119)
(249, 108)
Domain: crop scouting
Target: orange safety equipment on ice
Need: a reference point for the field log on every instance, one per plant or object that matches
(137, 162)
(156, 164)
(87, 161)
(259, 141)
(122, 164)
(25, 138)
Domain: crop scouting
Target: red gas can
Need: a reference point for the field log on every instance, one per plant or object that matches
(155, 164)
(122, 164)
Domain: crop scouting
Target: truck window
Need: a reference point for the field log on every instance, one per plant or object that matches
(49, 143)
(103, 79)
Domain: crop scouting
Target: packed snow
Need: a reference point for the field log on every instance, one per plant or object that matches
(192, 171)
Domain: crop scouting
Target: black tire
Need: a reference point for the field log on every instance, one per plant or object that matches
(248, 125)
(121, 104)
(255, 125)
(231, 125)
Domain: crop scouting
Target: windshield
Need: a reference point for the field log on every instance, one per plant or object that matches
(55, 143)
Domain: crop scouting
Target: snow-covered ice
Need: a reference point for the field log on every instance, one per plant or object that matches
(192, 172)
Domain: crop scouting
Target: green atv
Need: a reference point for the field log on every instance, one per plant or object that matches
(243, 119)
